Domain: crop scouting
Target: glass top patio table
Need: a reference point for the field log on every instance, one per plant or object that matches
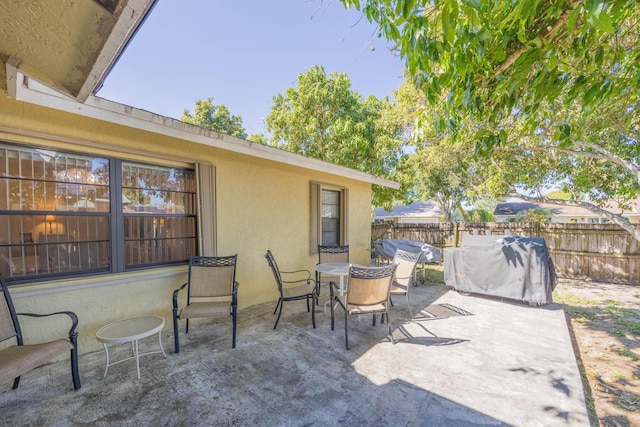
(340, 269)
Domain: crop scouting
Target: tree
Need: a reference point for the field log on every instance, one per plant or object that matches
(478, 215)
(537, 215)
(215, 117)
(324, 118)
(548, 90)
(440, 169)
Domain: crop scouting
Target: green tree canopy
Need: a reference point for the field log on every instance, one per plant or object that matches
(324, 118)
(549, 91)
(215, 117)
(440, 168)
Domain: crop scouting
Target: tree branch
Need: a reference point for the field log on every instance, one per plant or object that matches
(551, 33)
(598, 153)
(608, 155)
(617, 219)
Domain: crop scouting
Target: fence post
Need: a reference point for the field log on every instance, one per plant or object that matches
(456, 240)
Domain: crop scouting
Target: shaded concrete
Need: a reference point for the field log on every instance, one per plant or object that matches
(506, 364)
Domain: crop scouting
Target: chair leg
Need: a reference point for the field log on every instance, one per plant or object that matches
(176, 338)
(187, 328)
(277, 305)
(332, 313)
(16, 382)
(374, 320)
(409, 306)
(346, 330)
(389, 329)
(280, 303)
(235, 317)
(75, 374)
(313, 312)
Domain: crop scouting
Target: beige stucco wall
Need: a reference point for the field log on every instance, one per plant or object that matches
(261, 204)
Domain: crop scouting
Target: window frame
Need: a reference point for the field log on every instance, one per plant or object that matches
(315, 237)
(114, 217)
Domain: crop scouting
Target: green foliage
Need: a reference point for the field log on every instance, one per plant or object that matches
(478, 215)
(547, 91)
(432, 273)
(536, 215)
(558, 195)
(441, 168)
(324, 118)
(215, 117)
(539, 215)
(623, 351)
(260, 138)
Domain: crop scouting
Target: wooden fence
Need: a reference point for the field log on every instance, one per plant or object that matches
(600, 252)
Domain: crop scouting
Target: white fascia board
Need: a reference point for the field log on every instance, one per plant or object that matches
(29, 90)
(126, 26)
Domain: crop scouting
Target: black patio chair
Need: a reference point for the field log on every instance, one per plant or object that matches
(297, 286)
(21, 358)
(328, 254)
(212, 291)
(367, 293)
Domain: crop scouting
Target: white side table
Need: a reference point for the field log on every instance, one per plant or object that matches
(131, 330)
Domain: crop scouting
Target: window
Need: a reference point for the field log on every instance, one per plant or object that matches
(65, 214)
(328, 216)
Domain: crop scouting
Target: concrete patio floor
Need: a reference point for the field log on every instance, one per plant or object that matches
(506, 364)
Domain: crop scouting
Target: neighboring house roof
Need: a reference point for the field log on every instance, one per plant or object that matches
(76, 43)
(513, 208)
(414, 210)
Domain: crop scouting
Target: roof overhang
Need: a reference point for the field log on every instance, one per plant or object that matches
(76, 43)
(24, 88)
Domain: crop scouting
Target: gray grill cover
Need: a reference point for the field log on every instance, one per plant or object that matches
(513, 267)
(386, 248)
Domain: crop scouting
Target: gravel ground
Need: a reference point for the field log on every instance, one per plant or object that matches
(605, 322)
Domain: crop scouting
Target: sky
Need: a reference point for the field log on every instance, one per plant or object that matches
(244, 52)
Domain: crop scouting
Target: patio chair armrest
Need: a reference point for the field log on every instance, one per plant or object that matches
(307, 272)
(309, 280)
(175, 295)
(74, 320)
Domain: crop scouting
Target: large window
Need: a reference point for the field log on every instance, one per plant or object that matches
(64, 214)
(328, 216)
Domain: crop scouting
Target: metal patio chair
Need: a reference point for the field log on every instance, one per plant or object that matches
(297, 286)
(328, 254)
(405, 274)
(21, 358)
(367, 293)
(212, 290)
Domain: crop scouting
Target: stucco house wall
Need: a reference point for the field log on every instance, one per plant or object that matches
(261, 204)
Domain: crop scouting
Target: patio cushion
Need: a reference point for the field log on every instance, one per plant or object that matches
(18, 359)
(205, 309)
(298, 290)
